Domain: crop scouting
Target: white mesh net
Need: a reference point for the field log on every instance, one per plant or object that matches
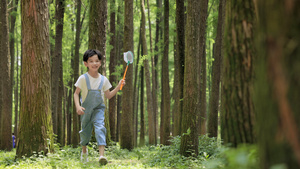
(128, 57)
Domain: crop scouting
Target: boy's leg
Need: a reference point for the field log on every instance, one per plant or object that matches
(102, 159)
(101, 150)
(86, 130)
(84, 149)
(84, 154)
(100, 130)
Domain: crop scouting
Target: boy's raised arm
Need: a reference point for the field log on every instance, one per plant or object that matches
(109, 94)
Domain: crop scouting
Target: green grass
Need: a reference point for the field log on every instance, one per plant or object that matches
(211, 155)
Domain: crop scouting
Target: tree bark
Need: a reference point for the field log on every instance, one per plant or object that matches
(56, 95)
(14, 81)
(142, 110)
(165, 79)
(136, 90)
(212, 125)
(151, 120)
(112, 77)
(5, 85)
(126, 137)
(202, 64)
(35, 130)
(189, 141)
(179, 66)
(119, 49)
(277, 87)
(76, 121)
(153, 70)
(60, 112)
(237, 120)
(158, 37)
(97, 29)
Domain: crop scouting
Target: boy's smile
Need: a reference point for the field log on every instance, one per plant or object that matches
(93, 63)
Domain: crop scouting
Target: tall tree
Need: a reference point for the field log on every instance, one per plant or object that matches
(202, 64)
(136, 91)
(69, 87)
(237, 119)
(189, 141)
(97, 40)
(165, 113)
(154, 81)
(56, 69)
(16, 96)
(158, 37)
(126, 135)
(179, 66)
(12, 54)
(5, 85)
(151, 120)
(119, 51)
(112, 65)
(97, 29)
(212, 125)
(35, 130)
(75, 133)
(142, 109)
(277, 87)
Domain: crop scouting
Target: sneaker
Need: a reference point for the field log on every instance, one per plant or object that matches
(84, 157)
(103, 160)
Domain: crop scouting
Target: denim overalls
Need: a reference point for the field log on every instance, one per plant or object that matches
(93, 115)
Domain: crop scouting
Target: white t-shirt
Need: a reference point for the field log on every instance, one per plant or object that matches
(94, 82)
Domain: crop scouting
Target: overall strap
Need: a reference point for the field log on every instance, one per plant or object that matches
(101, 84)
(87, 81)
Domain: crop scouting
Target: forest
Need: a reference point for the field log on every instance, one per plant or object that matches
(212, 84)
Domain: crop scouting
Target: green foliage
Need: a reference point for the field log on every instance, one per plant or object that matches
(211, 155)
(244, 156)
(168, 156)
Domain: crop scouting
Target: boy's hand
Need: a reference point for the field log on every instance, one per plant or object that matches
(80, 110)
(121, 82)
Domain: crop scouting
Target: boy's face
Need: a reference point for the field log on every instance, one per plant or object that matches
(93, 63)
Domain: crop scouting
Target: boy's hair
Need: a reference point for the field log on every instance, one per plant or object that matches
(91, 52)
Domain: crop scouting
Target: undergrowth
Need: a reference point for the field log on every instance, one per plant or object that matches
(211, 155)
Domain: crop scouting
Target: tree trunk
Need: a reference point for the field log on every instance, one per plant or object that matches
(154, 84)
(189, 142)
(126, 137)
(142, 110)
(237, 121)
(179, 66)
(14, 81)
(56, 95)
(76, 122)
(165, 78)
(112, 77)
(56, 60)
(35, 130)
(158, 37)
(119, 49)
(6, 97)
(202, 64)
(97, 30)
(69, 114)
(97, 40)
(60, 112)
(16, 95)
(216, 75)
(151, 120)
(277, 87)
(136, 90)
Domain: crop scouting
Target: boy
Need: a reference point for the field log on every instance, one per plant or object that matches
(93, 86)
